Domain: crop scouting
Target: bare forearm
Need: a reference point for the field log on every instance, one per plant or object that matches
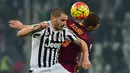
(24, 26)
(81, 57)
(25, 32)
(85, 52)
(84, 60)
(84, 47)
(42, 25)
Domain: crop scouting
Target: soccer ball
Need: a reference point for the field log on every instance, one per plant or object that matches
(79, 10)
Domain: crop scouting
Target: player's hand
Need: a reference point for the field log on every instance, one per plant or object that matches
(15, 24)
(44, 24)
(86, 64)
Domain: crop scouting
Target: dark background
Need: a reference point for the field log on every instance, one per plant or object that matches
(110, 51)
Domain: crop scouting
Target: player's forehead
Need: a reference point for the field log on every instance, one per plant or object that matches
(63, 16)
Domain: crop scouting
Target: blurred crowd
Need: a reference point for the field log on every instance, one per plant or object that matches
(110, 51)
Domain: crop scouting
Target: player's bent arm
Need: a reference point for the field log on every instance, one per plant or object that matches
(16, 24)
(83, 45)
(85, 63)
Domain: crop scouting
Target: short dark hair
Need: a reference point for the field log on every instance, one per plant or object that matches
(57, 12)
(91, 20)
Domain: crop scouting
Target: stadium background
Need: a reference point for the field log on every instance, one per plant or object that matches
(110, 51)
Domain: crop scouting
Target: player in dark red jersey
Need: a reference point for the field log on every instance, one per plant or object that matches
(69, 52)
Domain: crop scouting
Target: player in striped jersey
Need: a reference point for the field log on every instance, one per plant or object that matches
(49, 41)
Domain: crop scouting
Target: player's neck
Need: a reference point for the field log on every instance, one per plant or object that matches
(79, 21)
(53, 26)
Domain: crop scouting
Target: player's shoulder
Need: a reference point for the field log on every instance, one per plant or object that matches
(70, 21)
(67, 30)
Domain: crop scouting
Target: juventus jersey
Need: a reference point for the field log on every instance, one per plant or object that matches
(46, 45)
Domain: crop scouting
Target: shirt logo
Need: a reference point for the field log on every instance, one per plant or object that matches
(51, 44)
(65, 43)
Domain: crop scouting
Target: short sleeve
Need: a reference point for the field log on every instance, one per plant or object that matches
(70, 35)
(37, 34)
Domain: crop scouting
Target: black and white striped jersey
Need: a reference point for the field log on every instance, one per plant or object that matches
(46, 45)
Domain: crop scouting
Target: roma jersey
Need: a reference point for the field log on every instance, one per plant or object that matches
(69, 51)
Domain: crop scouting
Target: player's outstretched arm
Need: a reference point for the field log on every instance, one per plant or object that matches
(26, 31)
(29, 30)
(16, 24)
(85, 63)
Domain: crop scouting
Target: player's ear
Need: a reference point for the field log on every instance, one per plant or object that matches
(53, 17)
(90, 27)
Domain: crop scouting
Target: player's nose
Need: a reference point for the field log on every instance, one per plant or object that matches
(65, 23)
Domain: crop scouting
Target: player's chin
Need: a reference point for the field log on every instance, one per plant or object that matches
(60, 28)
